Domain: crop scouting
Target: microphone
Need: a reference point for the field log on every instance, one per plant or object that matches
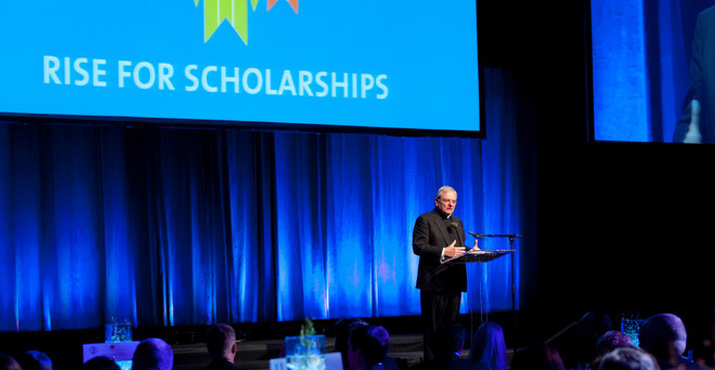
(478, 236)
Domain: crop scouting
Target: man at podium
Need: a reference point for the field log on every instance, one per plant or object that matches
(439, 235)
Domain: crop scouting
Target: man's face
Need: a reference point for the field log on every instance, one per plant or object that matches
(446, 202)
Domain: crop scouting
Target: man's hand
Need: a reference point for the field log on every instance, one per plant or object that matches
(451, 251)
(475, 247)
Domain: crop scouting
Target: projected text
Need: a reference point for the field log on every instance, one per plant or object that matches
(212, 79)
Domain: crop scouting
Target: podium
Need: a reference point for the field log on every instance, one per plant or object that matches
(482, 256)
(478, 255)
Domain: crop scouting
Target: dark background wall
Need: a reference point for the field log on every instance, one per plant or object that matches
(622, 227)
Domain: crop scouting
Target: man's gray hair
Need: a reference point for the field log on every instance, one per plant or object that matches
(628, 358)
(445, 189)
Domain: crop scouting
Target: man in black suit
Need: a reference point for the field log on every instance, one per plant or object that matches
(439, 235)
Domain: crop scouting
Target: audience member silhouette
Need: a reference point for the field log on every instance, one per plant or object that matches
(342, 334)
(704, 351)
(450, 343)
(610, 341)
(34, 360)
(8, 362)
(153, 354)
(367, 347)
(664, 336)
(628, 358)
(488, 347)
(221, 345)
(454, 341)
(100, 363)
(538, 356)
(576, 345)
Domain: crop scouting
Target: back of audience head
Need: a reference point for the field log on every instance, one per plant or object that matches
(367, 346)
(628, 358)
(153, 354)
(342, 333)
(34, 360)
(594, 324)
(8, 362)
(489, 347)
(100, 363)
(539, 356)
(451, 340)
(611, 340)
(578, 345)
(456, 334)
(664, 336)
(221, 342)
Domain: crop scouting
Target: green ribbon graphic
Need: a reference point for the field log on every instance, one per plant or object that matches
(234, 11)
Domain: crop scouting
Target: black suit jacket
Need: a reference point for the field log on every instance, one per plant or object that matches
(431, 234)
(220, 364)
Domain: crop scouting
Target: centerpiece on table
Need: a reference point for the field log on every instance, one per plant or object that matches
(306, 351)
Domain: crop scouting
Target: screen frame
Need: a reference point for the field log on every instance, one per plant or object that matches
(480, 133)
(588, 72)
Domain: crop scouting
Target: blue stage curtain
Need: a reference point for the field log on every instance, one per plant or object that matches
(184, 226)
